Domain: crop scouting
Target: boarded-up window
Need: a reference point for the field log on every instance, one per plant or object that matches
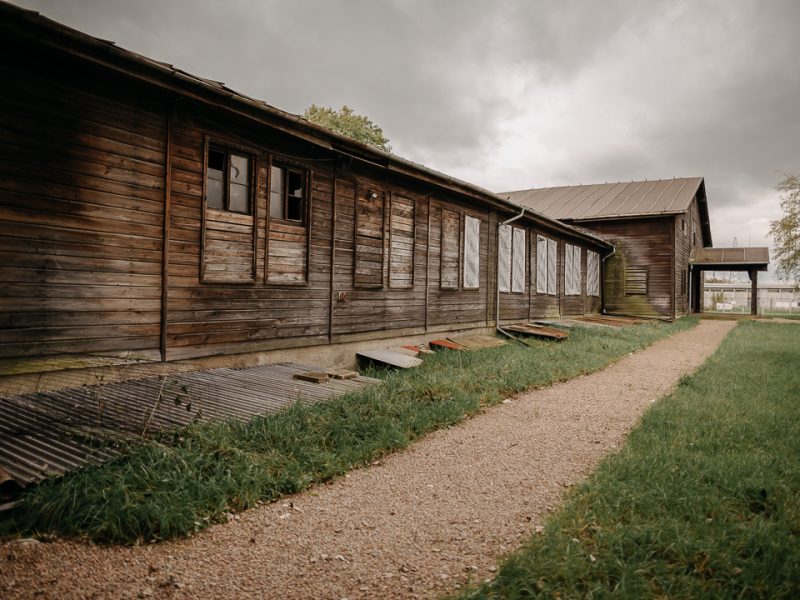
(401, 248)
(546, 265)
(287, 244)
(369, 239)
(635, 281)
(504, 258)
(472, 252)
(572, 270)
(592, 273)
(552, 267)
(228, 222)
(451, 238)
(518, 261)
(511, 248)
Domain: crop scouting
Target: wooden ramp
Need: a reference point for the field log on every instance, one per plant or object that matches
(389, 358)
(50, 433)
(539, 331)
(477, 341)
(611, 321)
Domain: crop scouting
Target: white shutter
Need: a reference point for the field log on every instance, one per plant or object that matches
(518, 266)
(590, 272)
(577, 279)
(541, 265)
(552, 267)
(568, 269)
(472, 252)
(504, 253)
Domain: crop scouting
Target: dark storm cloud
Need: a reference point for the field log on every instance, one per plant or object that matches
(512, 94)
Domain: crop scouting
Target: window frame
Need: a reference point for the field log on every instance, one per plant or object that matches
(459, 248)
(289, 167)
(383, 195)
(228, 149)
(393, 197)
(513, 231)
(637, 269)
(552, 245)
(571, 264)
(209, 142)
(464, 285)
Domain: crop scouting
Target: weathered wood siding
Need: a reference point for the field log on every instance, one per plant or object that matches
(83, 171)
(448, 300)
(648, 244)
(81, 210)
(279, 302)
(684, 243)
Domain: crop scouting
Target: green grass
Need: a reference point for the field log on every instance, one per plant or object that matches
(703, 500)
(178, 484)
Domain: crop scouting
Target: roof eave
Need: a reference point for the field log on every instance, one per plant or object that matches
(173, 80)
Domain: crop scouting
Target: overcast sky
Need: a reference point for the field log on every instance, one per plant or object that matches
(512, 95)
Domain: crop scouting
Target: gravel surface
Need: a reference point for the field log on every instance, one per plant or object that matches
(419, 524)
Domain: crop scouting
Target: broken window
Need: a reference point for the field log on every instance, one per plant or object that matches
(472, 252)
(572, 270)
(228, 185)
(287, 231)
(228, 222)
(287, 194)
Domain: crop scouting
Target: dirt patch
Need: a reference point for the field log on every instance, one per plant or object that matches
(421, 523)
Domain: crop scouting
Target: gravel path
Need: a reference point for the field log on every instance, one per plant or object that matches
(418, 525)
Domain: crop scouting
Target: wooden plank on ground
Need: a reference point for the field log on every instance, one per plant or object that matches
(312, 376)
(388, 358)
(445, 345)
(540, 331)
(477, 341)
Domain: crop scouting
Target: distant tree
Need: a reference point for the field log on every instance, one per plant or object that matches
(786, 230)
(349, 123)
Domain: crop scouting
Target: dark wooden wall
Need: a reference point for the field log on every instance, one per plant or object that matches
(684, 243)
(640, 243)
(83, 165)
(81, 210)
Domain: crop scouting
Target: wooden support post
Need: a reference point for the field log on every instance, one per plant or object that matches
(753, 292)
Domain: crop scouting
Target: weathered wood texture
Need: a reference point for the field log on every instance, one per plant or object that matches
(81, 210)
(82, 205)
(647, 244)
(684, 243)
(449, 301)
(262, 308)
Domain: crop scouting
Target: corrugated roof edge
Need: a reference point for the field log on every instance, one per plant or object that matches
(700, 191)
(100, 51)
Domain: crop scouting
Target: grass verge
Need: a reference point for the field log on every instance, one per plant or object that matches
(184, 481)
(703, 500)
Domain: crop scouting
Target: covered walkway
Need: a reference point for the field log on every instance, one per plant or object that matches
(751, 260)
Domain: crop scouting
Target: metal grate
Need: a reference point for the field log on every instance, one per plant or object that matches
(51, 433)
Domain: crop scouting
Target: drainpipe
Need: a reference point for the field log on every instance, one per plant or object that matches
(497, 275)
(605, 258)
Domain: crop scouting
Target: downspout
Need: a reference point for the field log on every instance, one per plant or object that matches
(497, 275)
(602, 272)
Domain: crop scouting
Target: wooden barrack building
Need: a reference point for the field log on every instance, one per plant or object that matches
(146, 212)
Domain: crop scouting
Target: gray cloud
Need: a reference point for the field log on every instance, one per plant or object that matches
(512, 94)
